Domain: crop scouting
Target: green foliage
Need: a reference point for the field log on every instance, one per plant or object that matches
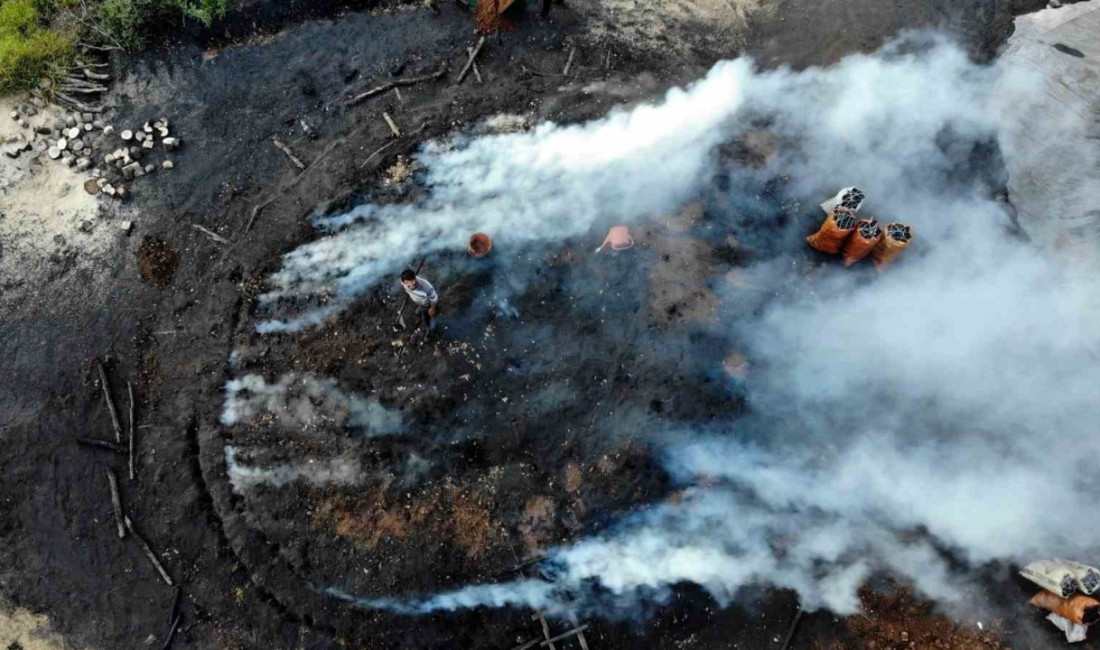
(29, 48)
(37, 37)
(128, 21)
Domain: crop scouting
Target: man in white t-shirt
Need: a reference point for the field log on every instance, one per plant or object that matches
(422, 293)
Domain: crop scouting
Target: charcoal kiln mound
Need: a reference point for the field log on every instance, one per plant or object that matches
(357, 462)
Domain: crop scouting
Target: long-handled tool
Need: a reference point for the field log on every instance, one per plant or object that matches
(405, 302)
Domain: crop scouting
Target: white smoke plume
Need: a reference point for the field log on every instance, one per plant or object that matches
(946, 406)
(551, 183)
(301, 401)
(335, 471)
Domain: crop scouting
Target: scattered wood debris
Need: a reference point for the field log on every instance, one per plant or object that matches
(470, 61)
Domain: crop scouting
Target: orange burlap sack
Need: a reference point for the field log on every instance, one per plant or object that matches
(895, 239)
(867, 234)
(1079, 608)
(832, 235)
(488, 18)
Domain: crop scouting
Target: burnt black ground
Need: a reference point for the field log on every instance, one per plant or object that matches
(58, 552)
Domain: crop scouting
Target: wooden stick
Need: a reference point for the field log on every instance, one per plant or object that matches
(393, 127)
(110, 403)
(92, 442)
(607, 61)
(171, 633)
(477, 73)
(175, 605)
(130, 390)
(537, 73)
(394, 84)
(99, 48)
(211, 234)
(578, 630)
(470, 62)
(791, 631)
(116, 503)
(569, 63)
(289, 154)
(378, 151)
(148, 551)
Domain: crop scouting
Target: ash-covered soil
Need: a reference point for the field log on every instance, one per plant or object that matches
(166, 314)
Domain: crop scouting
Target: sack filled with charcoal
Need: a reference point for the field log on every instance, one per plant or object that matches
(895, 239)
(1079, 608)
(849, 198)
(834, 232)
(861, 241)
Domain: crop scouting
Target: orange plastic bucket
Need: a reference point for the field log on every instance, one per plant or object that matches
(480, 245)
(618, 238)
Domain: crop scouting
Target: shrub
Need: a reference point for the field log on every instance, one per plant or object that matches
(128, 21)
(29, 49)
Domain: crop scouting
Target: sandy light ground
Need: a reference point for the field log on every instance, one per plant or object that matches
(21, 629)
(45, 210)
(720, 24)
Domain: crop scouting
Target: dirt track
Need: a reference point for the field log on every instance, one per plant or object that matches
(59, 554)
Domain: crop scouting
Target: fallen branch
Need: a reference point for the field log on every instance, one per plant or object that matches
(289, 154)
(116, 503)
(93, 442)
(569, 63)
(171, 633)
(175, 605)
(148, 551)
(395, 84)
(77, 104)
(92, 64)
(130, 390)
(110, 402)
(793, 628)
(99, 48)
(80, 83)
(95, 75)
(82, 90)
(537, 73)
(211, 234)
(391, 143)
(378, 151)
(470, 62)
(393, 127)
(477, 73)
